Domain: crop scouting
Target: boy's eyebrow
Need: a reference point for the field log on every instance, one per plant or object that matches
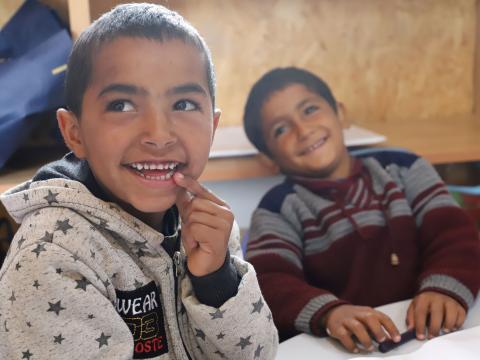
(301, 103)
(187, 88)
(123, 88)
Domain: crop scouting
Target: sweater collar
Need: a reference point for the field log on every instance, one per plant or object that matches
(72, 168)
(329, 188)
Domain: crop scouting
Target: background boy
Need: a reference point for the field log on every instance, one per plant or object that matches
(342, 234)
(90, 272)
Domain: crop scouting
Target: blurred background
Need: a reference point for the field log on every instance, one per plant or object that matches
(405, 69)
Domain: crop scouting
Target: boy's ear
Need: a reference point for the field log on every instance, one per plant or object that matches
(216, 119)
(343, 116)
(266, 161)
(70, 129)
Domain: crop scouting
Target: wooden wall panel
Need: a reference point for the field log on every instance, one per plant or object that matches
(396, 60)
(9, 7)
(60, 6)
(388, 61)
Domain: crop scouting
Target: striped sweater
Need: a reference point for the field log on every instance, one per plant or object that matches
(387, 232)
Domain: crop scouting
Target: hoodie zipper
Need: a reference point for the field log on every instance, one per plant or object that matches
(178, 266)
(179, 269)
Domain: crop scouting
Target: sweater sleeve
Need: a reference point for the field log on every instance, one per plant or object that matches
(216, 288)
(241, 328)
(449, 241)
(55, 307)
(275, 250)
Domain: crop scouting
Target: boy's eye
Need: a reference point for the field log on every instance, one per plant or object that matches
(310, 109)
(279, 130)
(120, 106)
(186, 105)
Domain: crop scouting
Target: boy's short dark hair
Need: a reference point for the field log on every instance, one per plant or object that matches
(149, 21)
(275, 80)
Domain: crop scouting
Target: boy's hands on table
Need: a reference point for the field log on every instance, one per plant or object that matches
(347, 322)
(444, 313)
(206, 225)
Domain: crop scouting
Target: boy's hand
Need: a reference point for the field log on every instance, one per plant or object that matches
(206, 225)
(443, 311)
(345, 321)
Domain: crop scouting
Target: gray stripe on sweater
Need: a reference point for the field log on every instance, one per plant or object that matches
(286, 254)
(265, 222)
(302, 322)
(420, 178)
(344, 227)
(313, 203)
(324, 219)
(450, 284)
(434, 202)
(380, 177)
(360, 190)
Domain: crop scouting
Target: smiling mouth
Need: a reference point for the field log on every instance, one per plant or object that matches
(158, 171)
(314, 146)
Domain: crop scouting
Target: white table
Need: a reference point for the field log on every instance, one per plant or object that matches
(461, 345)
(231, 141)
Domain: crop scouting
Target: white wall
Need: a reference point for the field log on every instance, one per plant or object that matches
(243, 196)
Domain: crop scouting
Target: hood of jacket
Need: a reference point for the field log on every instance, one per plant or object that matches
(69, 183)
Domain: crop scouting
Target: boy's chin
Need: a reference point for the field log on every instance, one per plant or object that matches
(319, 172)
(153, 207)
(150, 205)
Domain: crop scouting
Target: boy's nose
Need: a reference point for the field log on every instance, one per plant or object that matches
(158, 132)
(303, 130)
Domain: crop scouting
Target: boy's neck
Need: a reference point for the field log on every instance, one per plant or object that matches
(154, 220)
(353, 167)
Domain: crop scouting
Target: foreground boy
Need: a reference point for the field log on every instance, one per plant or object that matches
(90, 274)
(343, 234)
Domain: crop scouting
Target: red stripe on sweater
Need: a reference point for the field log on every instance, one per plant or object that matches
(258, 244)
(427, 192)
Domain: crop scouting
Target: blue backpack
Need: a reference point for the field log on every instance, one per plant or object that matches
(34, 48)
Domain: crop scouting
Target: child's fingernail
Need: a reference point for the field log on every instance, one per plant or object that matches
(355, 351)
(397, 338)
(420, 336)
(446, 330)
(179, 175)
(371, 348)
(382, 339)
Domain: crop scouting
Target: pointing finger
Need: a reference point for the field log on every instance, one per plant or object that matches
(195, 188)
(182, 202)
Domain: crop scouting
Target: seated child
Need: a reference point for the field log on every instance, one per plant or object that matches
(343, 234)
(99, 268)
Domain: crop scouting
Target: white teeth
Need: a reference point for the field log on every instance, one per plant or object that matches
(167, 176)
(145, 166)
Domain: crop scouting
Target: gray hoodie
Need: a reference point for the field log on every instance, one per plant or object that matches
(86, 280)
